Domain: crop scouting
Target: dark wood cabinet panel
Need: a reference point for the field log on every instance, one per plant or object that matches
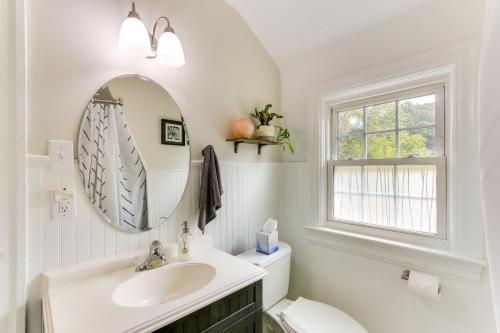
(250, 324)
(240, 312)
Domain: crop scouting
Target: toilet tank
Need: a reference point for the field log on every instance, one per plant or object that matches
(277, 265)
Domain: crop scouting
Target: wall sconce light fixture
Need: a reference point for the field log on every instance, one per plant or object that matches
(135, 39)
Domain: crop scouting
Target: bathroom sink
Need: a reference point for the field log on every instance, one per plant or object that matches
(164, 284)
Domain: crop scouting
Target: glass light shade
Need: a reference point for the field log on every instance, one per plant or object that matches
(134, 38)
(170, 52)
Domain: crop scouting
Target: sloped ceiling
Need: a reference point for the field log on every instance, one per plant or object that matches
(289, 29)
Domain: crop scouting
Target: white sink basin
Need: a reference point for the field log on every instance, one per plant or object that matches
(163, 284)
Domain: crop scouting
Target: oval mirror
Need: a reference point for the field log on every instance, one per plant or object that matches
(133, 153)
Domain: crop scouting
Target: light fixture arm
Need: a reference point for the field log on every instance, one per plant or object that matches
(154, 41)
(135, 38)
(133, 13)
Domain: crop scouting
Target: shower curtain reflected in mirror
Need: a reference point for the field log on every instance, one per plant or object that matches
(112, 168)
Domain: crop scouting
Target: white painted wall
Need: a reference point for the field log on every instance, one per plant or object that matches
(366, 287)
(72, 51)
(227, 71)
(489, 105)
(8, 156)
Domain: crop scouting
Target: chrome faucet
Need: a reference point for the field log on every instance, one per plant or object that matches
(154, 260)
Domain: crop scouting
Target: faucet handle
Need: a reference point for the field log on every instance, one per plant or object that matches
(155, 247)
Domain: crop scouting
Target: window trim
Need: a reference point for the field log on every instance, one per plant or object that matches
(439, 90)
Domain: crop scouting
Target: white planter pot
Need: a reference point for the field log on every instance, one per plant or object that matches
(266, 132)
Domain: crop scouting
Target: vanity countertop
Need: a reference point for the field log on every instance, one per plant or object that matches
(79, 300)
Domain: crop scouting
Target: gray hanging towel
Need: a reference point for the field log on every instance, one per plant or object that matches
(211, 188)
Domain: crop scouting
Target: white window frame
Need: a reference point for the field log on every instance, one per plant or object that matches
(459, 256)
(439, 90)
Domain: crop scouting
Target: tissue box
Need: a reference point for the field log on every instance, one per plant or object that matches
(267, 243)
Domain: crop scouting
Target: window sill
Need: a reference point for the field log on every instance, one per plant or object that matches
(442, 263)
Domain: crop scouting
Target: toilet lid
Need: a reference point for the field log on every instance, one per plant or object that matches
(306, 316)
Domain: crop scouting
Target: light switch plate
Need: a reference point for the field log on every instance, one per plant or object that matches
(61, 155)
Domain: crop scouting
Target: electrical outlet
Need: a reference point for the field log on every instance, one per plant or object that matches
(64, 207)
(63, 204)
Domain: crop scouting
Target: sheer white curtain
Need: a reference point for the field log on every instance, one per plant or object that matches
(489, 139)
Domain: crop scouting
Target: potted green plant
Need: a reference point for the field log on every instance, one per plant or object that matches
(284, 140)
(265, 130)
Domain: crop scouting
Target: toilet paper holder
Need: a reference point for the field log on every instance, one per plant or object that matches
(406, 276)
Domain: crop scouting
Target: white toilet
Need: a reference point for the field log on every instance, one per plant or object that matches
(302, 315)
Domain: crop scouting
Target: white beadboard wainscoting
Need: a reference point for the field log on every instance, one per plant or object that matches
(165, 189)
(368, 286)
(251, 195)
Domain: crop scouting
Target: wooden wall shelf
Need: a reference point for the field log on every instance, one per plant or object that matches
(260, 143)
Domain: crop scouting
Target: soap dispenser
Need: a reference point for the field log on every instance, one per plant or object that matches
(184, 242)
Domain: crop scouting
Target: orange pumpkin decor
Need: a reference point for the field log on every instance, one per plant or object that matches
(243, 128)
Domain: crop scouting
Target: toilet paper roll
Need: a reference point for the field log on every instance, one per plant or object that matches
(424, 285)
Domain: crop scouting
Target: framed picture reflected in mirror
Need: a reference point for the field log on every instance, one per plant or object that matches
(172, 132)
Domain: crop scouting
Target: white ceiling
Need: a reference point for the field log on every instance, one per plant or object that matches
(289, 28)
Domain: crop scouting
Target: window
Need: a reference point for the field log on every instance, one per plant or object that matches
(388, 166)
